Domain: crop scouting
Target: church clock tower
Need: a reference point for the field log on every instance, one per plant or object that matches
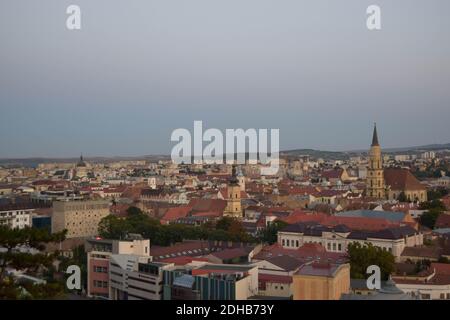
(375, 177)
(233, 208)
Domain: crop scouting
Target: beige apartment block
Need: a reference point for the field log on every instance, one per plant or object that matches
(79, 217)
(321, 282)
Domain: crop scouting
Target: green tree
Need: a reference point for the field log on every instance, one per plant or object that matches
(32, 263)
(429, 218)
(363, 256)
(224, 223)
(270, 234)
(226, 229)
(433, 204)
(134, 211)
(436, 194)
(402, 197)
(112, 227)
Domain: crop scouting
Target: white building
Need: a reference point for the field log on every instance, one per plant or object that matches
(15, 217)
(337, 239)
(434, 285)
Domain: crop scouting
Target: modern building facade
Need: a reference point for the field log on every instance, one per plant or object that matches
(207, 281)
(99, 253)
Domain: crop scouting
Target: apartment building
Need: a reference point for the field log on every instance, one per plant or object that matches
(321, 281)
(16, 216)
(79, 217)
(99, 252)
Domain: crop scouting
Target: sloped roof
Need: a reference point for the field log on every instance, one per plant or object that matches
(393, 216)
(175, 213)
(401, 179)
(443, 221)
(286, 263)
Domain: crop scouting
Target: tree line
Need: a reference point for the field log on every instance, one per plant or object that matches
(224, 229)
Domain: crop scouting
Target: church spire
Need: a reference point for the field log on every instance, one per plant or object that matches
(234, 180)
(375, 136)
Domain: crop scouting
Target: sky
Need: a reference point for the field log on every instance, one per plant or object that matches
(137, 70)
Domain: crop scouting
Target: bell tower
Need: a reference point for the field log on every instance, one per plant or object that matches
(233, 208)
(375, 177)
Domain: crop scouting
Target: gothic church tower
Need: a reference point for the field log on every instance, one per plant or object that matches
(375, 177)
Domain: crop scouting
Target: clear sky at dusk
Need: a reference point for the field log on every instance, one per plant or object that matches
(139, 69)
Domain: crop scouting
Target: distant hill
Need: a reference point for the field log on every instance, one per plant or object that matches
(342, 155)
(326, 155)
(33, 162)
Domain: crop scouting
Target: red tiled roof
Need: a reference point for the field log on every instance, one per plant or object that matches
(175, 213)
(231, 253)
(354, 223)
(441, 268)
(224, 193)
(332, 174)
(305, 252)
(401, 179)
(275, 278)
(443, 221)
(207, 205)
(181, 261)
(300, 216)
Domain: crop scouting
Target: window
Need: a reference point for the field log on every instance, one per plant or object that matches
(334, 246)
(283, 242)
(100, 269)
(340, 247)
(100, 284)
(328, 246)
(296, 243)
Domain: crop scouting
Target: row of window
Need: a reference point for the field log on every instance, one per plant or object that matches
(15, 213)
(100, 284)
(100, 269)
(427, 296)
(292, 243)
(331, 246)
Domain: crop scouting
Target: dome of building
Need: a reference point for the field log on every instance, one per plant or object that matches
(81, 162)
